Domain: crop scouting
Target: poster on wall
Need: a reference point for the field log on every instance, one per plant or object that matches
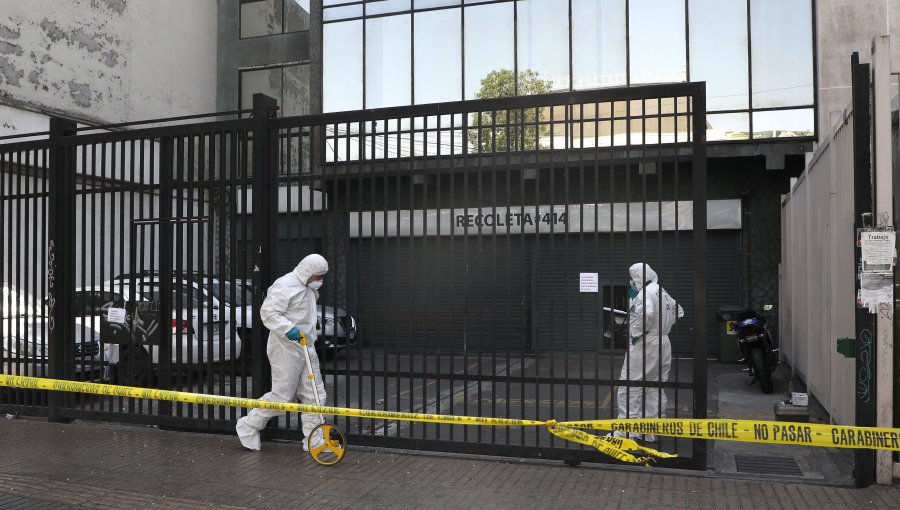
(589, 282)
(876, 277)
(879, 252)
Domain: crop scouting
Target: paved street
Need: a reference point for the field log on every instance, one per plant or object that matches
(95, 465)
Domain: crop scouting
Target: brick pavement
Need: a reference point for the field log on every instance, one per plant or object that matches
(99, 465)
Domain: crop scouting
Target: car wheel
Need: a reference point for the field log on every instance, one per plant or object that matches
(134, 367)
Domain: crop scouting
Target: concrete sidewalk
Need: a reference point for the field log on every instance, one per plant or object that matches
(99, 465)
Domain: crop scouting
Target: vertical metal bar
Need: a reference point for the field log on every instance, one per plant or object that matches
(612, 266)
(479, 264)
(165, 334)
(20, 322)
(750, 70)
(642, 169)
(581, 244)
(251, 343)
(398, 242)
(427, 282)
(629, 256)
(182, 246)
(222, 272)
(677, 249)
(697, 114)
(61, 270)
(264, 219)
(536, 297)
(413, 326)
(552, 322)
(363, 246)
(866, 397)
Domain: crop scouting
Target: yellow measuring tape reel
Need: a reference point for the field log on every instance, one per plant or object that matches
(334, 444)
(803, 434)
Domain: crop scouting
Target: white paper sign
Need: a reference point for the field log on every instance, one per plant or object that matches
(877, 251)
(875, 289)
(589, 282)
(116, 315)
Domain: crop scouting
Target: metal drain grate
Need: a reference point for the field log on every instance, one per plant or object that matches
(767, 465)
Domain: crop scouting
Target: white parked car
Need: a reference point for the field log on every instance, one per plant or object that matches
(24, 346)
(200, 335)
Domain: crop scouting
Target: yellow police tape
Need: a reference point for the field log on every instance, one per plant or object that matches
(802, 434)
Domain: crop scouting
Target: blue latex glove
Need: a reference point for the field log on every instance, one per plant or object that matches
(632, 290)
(293, 335)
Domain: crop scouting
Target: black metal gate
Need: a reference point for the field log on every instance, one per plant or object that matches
(458, 235)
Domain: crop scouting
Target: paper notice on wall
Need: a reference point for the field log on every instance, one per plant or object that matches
(878, 251)
(116, 315)
(875, 289)
(589, 282)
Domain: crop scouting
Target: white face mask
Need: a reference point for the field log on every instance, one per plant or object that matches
(315, 285)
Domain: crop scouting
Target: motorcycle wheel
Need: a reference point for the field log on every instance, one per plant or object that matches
(761, 371)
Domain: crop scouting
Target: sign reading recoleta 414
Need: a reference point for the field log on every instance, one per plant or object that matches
(543, 219)
(509, 219)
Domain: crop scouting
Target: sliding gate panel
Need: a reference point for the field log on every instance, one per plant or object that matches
(457, 236)
(24, 213)
(157, 278)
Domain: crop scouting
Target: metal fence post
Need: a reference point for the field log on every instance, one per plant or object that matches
(61, 261)
(698, 114)
(265, 217)
(864, 470)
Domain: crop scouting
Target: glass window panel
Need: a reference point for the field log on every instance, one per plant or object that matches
(326, 3)
(264, 81)
(543, 44)
(424, 4)
(438, 57)
(296, 15)
(783, 123)
(719, 52)
(598, 43)
(728, 126)
(386, 6)
(656, 41)
(782, 53)
(388, 56)
(336, 13)
(260, 18)
(489, 43)
(342, 66)
(295, 92)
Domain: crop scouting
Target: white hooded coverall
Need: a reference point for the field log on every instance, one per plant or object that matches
(650, 319)
(290, 303)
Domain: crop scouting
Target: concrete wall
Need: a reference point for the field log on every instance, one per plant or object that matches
(845, 26)
(109, 61)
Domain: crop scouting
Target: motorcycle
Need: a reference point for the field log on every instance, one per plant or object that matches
(759, 352)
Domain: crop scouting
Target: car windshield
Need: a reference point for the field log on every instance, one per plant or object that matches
(18, 303)
(236, 295)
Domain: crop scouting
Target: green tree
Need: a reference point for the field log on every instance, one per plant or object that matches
(508, 130)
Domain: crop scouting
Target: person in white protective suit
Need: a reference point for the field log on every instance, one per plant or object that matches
(650, 318)
(289, 310)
